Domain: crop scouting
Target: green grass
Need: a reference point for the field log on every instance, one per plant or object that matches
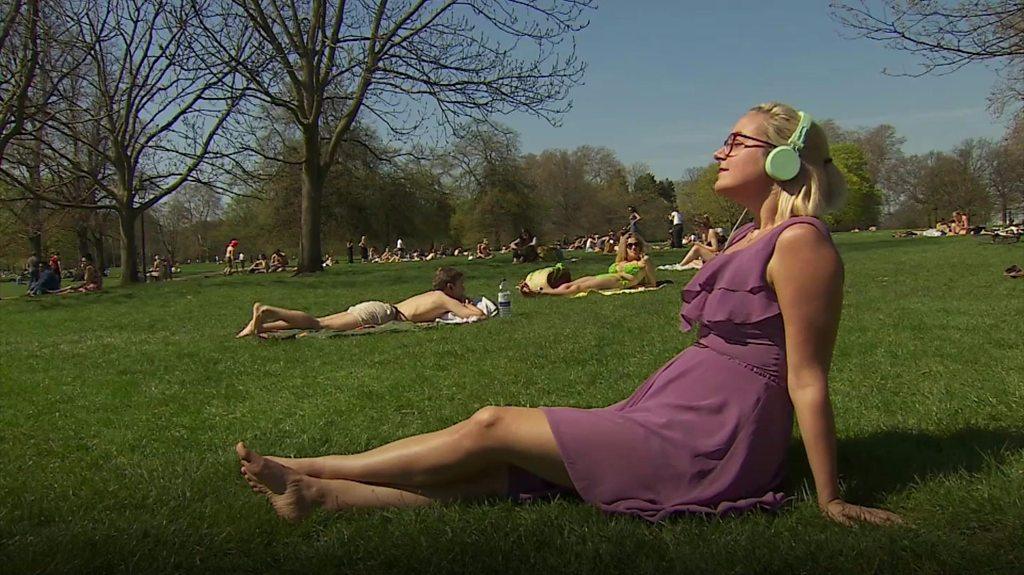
(118, 412)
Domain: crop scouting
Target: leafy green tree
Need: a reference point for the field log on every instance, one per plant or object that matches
(697, 197)
(666, 190)
(862, 207)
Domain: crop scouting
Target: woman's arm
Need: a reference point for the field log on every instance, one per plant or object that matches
(649, 279)
(811, 299)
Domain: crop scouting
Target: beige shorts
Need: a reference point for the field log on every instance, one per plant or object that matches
(372, 313)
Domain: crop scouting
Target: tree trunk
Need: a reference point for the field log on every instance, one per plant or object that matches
(129, 263)
(98, 249)
(35, 240)
(35, 227)
(312, 190)
(82, 235)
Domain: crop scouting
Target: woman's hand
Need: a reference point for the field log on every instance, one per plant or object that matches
(847, 514)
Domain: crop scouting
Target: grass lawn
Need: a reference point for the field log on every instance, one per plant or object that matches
(119, 410)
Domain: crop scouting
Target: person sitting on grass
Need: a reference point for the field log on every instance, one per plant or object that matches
(524, 248)
(448, 295)
(259, 266)
(48, 282)
(709, 432)
(483, 250)
(632, 268)
(158, 271)
(278, 261)
(92, 280)
(702, 253)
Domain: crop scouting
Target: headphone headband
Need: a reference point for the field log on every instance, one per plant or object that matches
(796, 141)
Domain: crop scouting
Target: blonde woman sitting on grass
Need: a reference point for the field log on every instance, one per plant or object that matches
(632, 268)
(709, 432)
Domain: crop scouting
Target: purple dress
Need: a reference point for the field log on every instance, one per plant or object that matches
(709, 431)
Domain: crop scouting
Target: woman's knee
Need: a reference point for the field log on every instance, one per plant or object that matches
(483, 428)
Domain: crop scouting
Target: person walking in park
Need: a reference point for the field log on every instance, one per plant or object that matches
(706, 433)
(351, 251)
(633, 226)
(229, 257)
(676, 217)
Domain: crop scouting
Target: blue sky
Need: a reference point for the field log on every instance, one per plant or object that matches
(667, 79)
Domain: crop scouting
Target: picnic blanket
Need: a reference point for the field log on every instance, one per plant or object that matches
(621, 291)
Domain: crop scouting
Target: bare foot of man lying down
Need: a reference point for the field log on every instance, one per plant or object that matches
(250, 328)
(283, 486)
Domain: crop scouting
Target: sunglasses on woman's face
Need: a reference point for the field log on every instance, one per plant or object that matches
(632, 246)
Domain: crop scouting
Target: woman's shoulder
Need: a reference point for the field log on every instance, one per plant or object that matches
(802, 231)
(805, 239)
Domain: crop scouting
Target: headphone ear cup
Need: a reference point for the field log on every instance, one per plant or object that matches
(782, 163)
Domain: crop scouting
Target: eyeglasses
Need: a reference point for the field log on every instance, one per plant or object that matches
(632, 246)
(733, 140)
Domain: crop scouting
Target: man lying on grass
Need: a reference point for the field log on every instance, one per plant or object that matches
(448, 295)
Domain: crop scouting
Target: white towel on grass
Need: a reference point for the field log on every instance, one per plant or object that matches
(485, 305)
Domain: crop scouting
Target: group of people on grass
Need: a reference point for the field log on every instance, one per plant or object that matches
(234, 261)
(709, 432)
(524, 249)
(277, 262)
(45, 277)
(959, 224)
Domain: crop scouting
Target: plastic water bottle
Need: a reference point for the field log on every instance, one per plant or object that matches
(504, 300)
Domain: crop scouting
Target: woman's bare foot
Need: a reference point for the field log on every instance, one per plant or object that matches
(284, 487)
(250, 328)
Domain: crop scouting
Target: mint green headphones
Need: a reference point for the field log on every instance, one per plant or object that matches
(783, 163)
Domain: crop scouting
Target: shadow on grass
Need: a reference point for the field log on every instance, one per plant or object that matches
(882, 463)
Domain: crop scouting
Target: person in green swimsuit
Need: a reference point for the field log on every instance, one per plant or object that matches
(632, 268)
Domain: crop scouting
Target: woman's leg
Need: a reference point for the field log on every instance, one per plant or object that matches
(691, 255)
(294, 495)
(698, 251)
(492, 437)
(586, 283)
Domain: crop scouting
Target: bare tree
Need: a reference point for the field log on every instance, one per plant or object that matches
(1005, 171)
(947, 36)
(145, 104)
(397, 65)
(19, 57)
